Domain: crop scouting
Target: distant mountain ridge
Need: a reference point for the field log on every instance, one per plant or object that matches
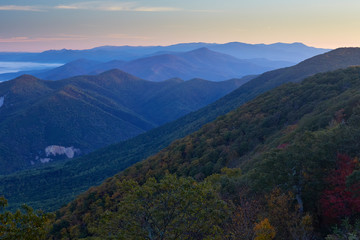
(292, 52)
(83, 113)
(198, 63)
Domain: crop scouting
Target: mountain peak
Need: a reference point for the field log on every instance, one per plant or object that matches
(201, 50)
(28, 85)
(295, 44)
(25, 79)
(118, 74)
(207, 53)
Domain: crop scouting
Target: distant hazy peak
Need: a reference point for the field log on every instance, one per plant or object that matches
(204, 51)
(118, 74)
(25, 79)
(200, 50)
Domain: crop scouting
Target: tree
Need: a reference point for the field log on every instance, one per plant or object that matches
(298, 168)
(346, 231)
(24, 224)
(244, 206)
(264, 231)
(173, 208)
(286, 218)
(338, 200)
(245, 214)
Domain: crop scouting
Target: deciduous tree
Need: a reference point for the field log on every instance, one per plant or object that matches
(24, 224)
(286, 218)
(264, 230)
(338, 200)
(173, 208)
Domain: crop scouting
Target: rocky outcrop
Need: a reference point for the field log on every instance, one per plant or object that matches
(55, 150)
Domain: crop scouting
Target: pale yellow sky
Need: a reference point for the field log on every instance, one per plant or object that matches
(40, 25)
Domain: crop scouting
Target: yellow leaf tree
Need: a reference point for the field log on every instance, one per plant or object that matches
(264, 230)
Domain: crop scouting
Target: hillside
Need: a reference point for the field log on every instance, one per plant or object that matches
(288, 138)
(87, 171)
(43, 121)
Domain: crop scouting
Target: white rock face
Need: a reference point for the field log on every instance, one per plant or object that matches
(54, 150)
(2, 101)
(45, 160)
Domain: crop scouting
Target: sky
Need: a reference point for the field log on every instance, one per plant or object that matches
(40, 25)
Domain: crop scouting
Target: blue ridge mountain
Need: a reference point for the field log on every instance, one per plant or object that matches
(42, 121)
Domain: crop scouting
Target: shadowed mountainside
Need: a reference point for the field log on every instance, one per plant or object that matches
(42, 121)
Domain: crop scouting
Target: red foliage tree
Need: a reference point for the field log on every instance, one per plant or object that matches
(338, 201)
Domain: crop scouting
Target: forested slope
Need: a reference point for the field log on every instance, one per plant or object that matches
(291, 140)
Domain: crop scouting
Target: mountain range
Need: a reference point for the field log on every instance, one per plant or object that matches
(198, 63)
(86, 171)
(291, 52)
(52, 120)
(201, 63)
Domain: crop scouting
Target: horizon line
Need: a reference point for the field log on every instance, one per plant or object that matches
(165, 45)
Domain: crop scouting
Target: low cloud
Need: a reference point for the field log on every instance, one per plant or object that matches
(38, 39)
(156, 9)
(69, 37)
(113, 6)
(101, 6)
(20, 8)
